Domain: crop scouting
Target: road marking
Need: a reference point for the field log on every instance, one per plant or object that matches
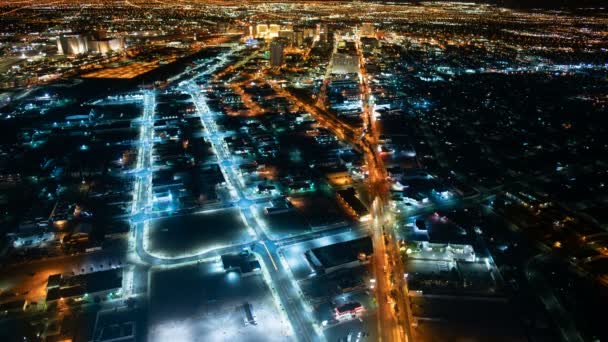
(271, 258)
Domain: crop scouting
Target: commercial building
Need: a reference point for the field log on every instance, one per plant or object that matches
(298, 38)
(244, 262)
(106, 45)
(278, 206)
(100, 283)
(14, 306)
(348, 311)
(72, 44)
(78, 44)
(344, 90)
(323, 33)
(288, 35)
(341, 255)
(261, 31)
(352, 204)
(273, 30)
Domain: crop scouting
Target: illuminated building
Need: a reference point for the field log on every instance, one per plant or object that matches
(79, 44)
(100, 283)
(261, 30)
(348, 310)
(276, 53)
(343, 255)
(323, 33)
(309, 33)
(106, 45)
(72, 44)
(298, 38)
(273, 30)
(352, 204)
(244, 263)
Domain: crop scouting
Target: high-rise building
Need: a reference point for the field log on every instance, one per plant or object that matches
(298, 38)
(261, 31)
(273, 30)
(276, 53)
(76, 44)
(73, 44)
(106, 45)
(287, 35)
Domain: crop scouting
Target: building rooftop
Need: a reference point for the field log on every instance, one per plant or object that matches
(72, 286)
(341, 253)
(243, 262)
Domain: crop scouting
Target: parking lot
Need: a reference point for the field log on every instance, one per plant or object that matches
(203, 303)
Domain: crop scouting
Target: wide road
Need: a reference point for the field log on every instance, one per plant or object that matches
(393, 320)
(383, 232)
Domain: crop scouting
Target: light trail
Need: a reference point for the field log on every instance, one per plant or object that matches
(143, 179)
(395, 323)
(391, 322)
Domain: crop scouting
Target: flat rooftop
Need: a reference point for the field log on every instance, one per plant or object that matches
(85, 283)
(343, 252)
(350, 197)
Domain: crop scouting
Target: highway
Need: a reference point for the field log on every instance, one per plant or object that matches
(394, 323)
